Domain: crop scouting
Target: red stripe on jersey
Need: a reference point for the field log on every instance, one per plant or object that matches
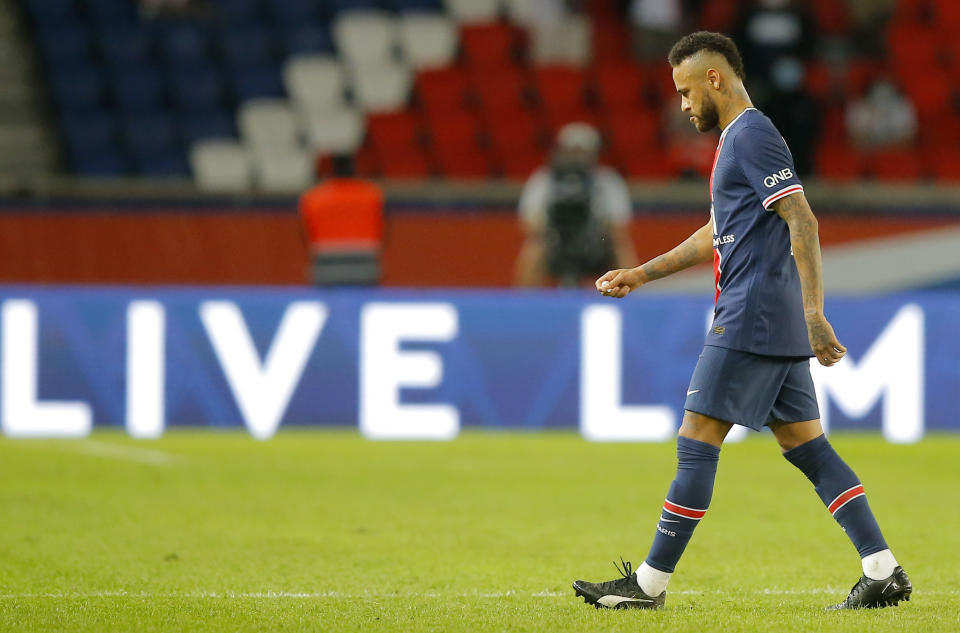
(689, 513)
(716, 253)
(845, 497)
(783, 193)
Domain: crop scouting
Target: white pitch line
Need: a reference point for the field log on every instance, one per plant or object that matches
(308, 595)
(124, 452)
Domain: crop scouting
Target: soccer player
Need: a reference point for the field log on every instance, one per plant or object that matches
(754, 369)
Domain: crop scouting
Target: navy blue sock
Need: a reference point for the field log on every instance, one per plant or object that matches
(687, 502)
(841, 491)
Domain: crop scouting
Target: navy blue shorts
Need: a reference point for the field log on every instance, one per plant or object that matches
(752, 390)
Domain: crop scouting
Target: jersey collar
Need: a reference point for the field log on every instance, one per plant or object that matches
(735, 119)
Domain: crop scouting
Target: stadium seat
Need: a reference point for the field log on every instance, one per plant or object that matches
(282, 169)
(462, 163)
(402, 6)
(501, 91)
(220, 165)
(947, 14)
(427, 40)
(557, 117)
(648, 164)
(65, 46)
(121, 13)
(150, 132)
(365, 37)
(89, 131)
(335, 131)
(198, 88)
(718, 15)
(293, 11)
(409, 163)
(314, 81)
(560, 87)
(519, 133)
(913, 46)
(469, 11)
(897, 165)
(521, 12)
(628, 131)
(455, 130)
(307, 38)
(102, 162)
(520, 164)
(565, 41)
(79, 88)
(127, 47)
(256, 83)
(944, 164)
(619, 86)
(137, 90)
(488, 47)
(267, 123)
(236, 11)
(610, 42)
(184, 45)
(247, 46)
(839, 163)
(441, 89)
(161, 164)
(197, 125)
(357, 5)
(831, 17)
(45, 13)
(393, 131)
(381, 87)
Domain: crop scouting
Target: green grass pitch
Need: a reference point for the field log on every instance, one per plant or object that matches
(324, 531)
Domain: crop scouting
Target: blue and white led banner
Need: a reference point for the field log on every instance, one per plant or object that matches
(404, 365)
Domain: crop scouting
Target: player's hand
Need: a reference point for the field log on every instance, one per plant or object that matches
(826, 347)
(619, 283)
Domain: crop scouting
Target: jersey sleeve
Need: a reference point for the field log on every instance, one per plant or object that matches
(533, 199)
(767, 164)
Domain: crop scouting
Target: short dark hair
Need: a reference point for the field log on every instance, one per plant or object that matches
(690, 45)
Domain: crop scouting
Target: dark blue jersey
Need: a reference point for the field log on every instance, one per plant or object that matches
(759, 307)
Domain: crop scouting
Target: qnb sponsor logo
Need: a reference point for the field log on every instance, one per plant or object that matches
(773, 179)
(726, 239)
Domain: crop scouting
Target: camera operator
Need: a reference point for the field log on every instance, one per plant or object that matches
(573, 212)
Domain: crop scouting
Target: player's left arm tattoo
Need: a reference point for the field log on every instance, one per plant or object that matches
(805, 241)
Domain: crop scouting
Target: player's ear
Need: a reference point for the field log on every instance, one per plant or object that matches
(713, 78)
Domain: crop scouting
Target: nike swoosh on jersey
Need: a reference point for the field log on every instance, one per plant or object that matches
(692, 391)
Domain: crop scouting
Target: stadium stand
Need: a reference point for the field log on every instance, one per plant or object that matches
(482, 84)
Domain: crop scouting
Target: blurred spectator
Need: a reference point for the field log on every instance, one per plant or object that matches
(575, 214)
(868, 20)
(882, 118)
(343, 218)
(656, 26)
(795, 113)
(767, 31)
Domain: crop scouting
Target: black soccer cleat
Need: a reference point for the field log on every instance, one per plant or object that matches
(876, 594)
(622, 593)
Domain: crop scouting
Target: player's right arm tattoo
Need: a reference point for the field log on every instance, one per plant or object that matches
(696, 249)
(805, 241)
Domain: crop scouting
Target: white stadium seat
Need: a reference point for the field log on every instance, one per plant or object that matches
(220, 165)
(334, 131)
(563, 41)
(365, 37)
(521, 12)
(267, 123)
(381, 87)
(314, 81)
(427, 39)
(464, 11)
(283, 170)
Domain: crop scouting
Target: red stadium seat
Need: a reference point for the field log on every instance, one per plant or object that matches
(631, 132)
(658, 80)
(518, 165)
(859, 75)
(619, 86)
(819, 81)
(900, 165)
(647, 164)
(521, 132)
(838, 163)
(560, 86)
(504, 90)
(929, 89)
(718, 15)
(556, 118)
(489, 46)
(366, 162)
(938, 132)
(943, 164)
(454, 129)
(912, 11)
(610, 41)
(393, 130)
(404, 164)
(831, 16)
(947, 15)
(463, 164)
(442, 88)
(914, 47)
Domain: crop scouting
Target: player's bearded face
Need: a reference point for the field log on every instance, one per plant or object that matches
(708, 117)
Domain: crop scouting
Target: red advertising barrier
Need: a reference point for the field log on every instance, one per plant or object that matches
(267, 247)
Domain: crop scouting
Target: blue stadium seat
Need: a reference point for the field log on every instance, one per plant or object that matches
(246, 46)
(349, 5)
(199, 88)
(236, 11)
(65, 45)
(77, 89)
(138, 89)
(415, 5)
(118, 12)
(206, 124)
(293, 11)
(161, 164)
(184, 44)
(51, 12)
(251, 83)
(308, 38)
(103, 162)
(124, 47)
(89, 129)
(150, 132)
